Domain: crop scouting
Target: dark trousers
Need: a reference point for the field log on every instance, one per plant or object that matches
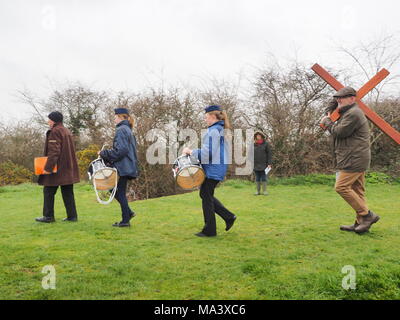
(260, 175)
(120, 195)
(212, 205)
(68, 197)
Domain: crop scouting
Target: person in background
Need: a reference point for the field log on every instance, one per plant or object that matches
(123, 157)
(351, 141)
(60, 150)
(262, 160)
(213, 157)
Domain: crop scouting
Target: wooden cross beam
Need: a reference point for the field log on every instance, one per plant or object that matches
(371, 84)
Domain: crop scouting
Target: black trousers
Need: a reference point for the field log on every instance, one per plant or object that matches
(68, 197)
(212, 205)
(120, 195)
(260, 175)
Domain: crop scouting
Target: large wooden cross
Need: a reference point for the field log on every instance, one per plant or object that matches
(370, 85)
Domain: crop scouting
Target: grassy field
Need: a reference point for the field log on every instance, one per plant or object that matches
(284, 246)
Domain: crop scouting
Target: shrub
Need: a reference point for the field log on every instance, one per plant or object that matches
(378, 178)
(324, 179)
(329, 180)
(85, 157)
(11, 173)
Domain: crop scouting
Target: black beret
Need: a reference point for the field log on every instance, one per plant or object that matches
(56, 116)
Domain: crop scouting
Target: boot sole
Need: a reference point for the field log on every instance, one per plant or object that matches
(348, 230)
(374, 221)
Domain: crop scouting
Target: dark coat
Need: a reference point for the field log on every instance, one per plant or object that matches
(60, 150)
(351, 136)
(262, 156)
(123, 154)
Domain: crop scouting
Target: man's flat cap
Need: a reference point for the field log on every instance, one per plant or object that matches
(345, 92)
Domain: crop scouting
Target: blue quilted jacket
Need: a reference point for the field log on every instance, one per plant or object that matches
(214, 152)
(123, 154)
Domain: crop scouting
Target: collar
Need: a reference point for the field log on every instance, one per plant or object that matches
(123, 122)
(346, 108)
(57, 124)
(221, 123)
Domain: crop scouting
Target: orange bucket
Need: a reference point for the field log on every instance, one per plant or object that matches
(39, 164)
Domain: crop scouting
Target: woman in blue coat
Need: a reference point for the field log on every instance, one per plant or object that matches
(123, 157)
(213, 157)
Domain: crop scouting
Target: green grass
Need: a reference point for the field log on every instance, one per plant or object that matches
(284, 246)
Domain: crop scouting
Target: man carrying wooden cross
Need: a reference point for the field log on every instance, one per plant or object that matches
(351, 140)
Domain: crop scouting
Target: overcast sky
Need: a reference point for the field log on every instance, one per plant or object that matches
(129, 45)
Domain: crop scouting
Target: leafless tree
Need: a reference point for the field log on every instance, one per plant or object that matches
(81, 106)
(369, 58)
(287, 104)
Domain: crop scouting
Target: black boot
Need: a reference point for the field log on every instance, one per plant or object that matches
(45, 219)
(121, 224)
(203, 235)
(71, 219)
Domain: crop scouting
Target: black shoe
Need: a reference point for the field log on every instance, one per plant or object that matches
(121, 224)
(45, 219)
(203, 235)
(132, 215)
(71, 219)
(230, 223)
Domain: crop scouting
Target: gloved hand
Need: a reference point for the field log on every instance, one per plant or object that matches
(326, 122)
(332, 105)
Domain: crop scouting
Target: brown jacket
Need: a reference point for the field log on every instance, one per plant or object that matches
(60, 151)
(351, 136)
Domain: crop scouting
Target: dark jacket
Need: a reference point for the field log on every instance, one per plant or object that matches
(214, 152)
(60, 150)
(351, 142)
(262, 156)
(123, 154)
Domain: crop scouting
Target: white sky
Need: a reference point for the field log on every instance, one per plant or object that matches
(129, 45)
